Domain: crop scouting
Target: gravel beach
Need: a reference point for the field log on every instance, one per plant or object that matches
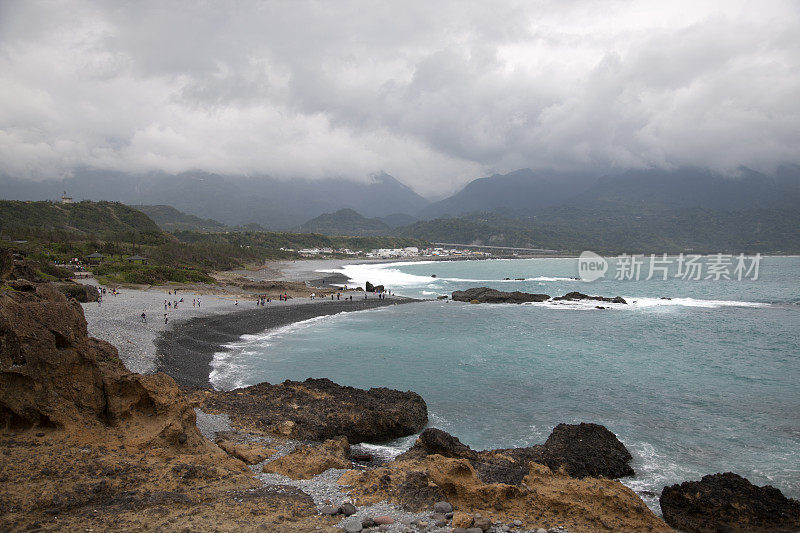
(184, 344)
(186, 350)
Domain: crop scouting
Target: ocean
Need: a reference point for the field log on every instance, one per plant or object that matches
(706, 381)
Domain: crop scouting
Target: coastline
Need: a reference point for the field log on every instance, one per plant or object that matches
(186, 350)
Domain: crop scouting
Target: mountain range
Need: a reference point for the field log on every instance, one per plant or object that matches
(672, 210)
(231, 200)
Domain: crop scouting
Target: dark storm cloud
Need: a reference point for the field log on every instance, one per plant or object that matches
(435, 93)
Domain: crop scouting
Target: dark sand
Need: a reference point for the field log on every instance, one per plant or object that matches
(186, 350)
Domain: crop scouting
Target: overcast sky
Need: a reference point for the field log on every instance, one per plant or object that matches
(434, 93)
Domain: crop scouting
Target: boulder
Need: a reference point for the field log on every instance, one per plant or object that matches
(435, 441)
(575, 296)
(585, 450)
(248, 453)
(493, 296)
(319, 409)
(728, 502)
(369, 287)
(308, 461)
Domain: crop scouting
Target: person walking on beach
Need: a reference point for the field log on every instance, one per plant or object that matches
(165, 318)
(198, 302)
(144, 318)
(236, 302)
(194, 303)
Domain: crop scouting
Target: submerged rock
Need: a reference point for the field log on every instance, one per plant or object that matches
(487, 295)
(574, 296)
(728, 502)
(319, 409)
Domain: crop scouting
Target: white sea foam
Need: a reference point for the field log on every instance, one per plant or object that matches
(389, 275)
(226, 364)
(635, 303)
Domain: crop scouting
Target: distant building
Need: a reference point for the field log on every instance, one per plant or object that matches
(66, 199)
(137, 259)
(94, 259)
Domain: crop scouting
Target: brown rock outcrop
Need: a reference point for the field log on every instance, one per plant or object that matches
(581, 450)
(728, 502)
(308, 461)
(543, 498)
(319, 409)
(52, 374)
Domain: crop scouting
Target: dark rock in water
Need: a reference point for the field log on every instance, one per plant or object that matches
(586, 450)
(571, 296)
(583, 450)
(379, 288)
(665, 298)
(433, 275)
(442, 297)
(728, 502)
(369, 287)
(319, 409)
(600, 307)
(435, 441)
(487, 295)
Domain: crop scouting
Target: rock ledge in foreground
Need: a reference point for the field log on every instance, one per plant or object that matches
(728, 502)
(319, 409)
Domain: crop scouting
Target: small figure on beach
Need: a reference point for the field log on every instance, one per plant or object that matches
(165, 318)
(194, 302)
(236, 302)
(165, 305)
(198, 302)
(144, 318)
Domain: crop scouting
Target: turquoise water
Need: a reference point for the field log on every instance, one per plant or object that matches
(705, 382)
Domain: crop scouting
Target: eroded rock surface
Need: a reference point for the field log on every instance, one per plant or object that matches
(581, 450)
(319, 409)
(493, 296)
(728, 502)
(542, 499)
(308, 461)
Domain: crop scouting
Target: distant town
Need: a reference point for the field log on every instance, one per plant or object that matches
(392, 253)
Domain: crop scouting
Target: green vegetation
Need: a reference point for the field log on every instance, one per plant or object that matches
(52, 234)
(106, 220)
(118, 271)
(270, 243)
(618, 230)
(170, 219)
(345, 222)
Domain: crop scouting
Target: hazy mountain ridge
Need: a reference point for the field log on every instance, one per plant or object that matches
(232, 200)
(170, 219)
(345, 222)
